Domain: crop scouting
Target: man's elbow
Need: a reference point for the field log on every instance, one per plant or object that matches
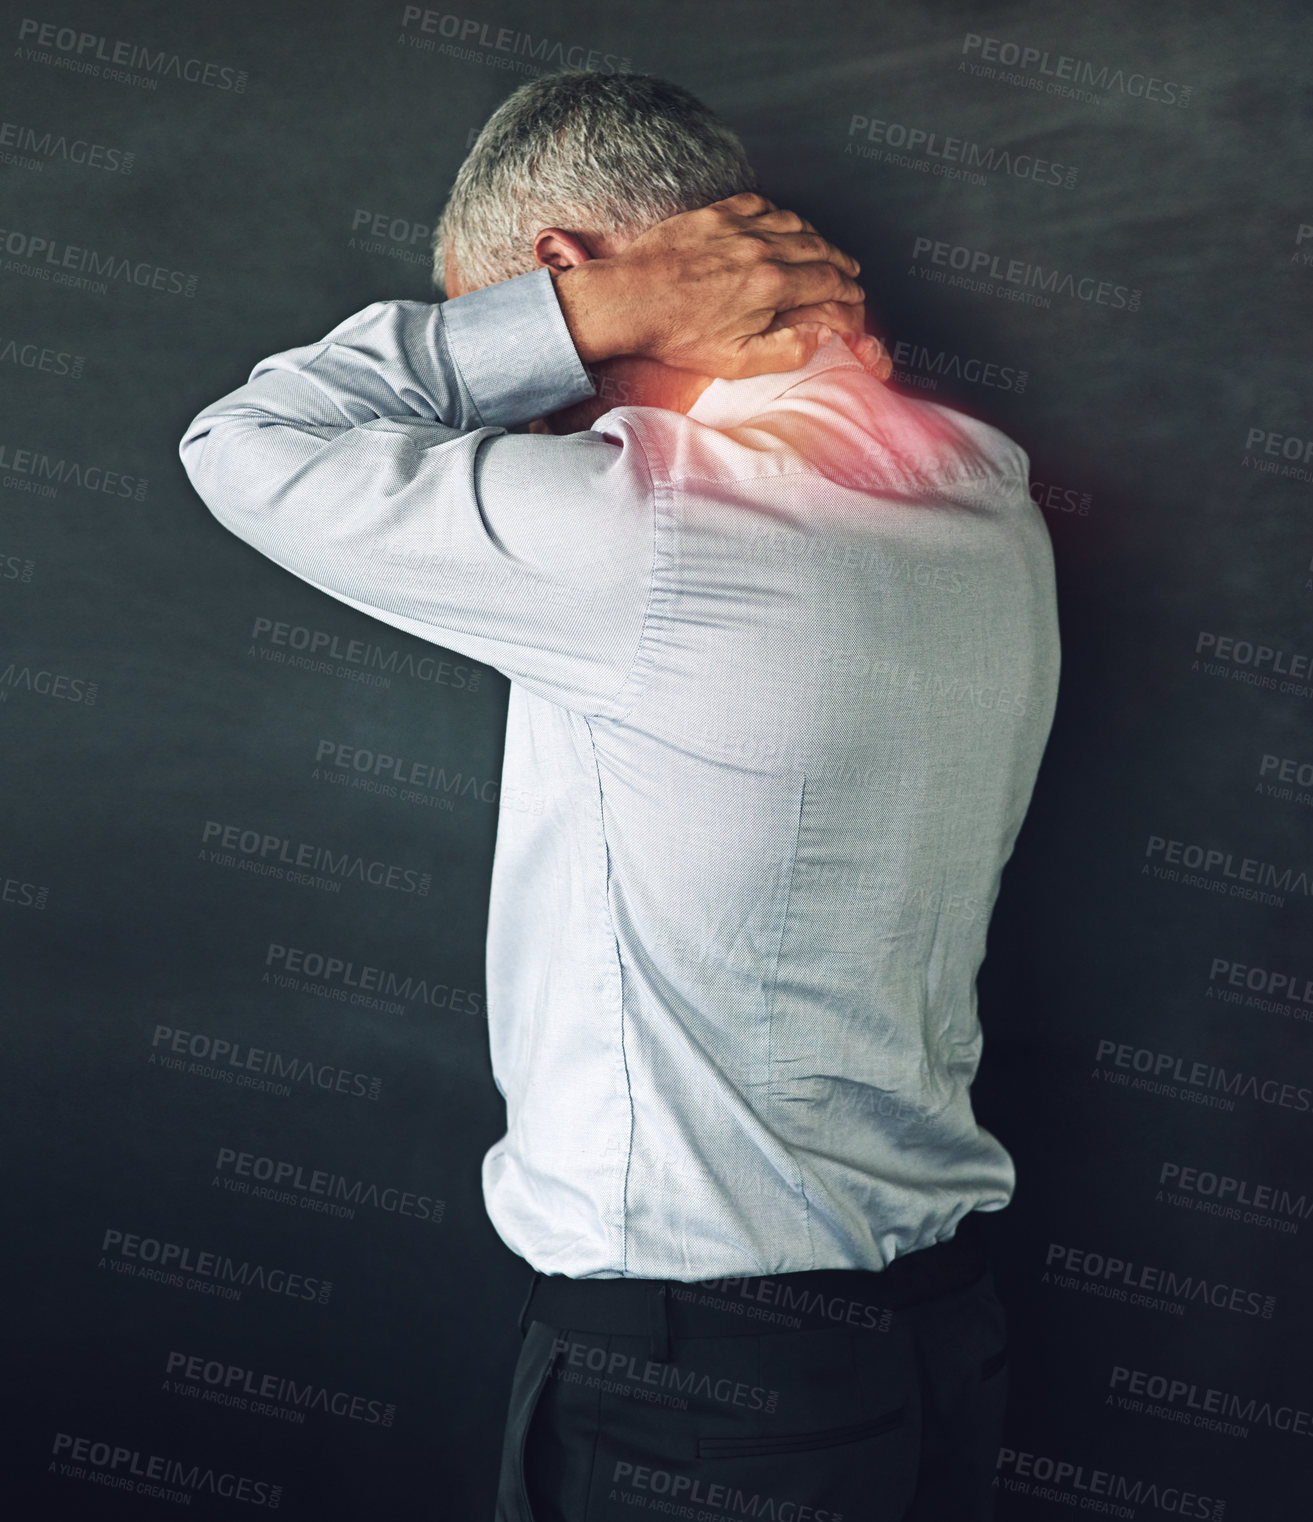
(192, 445)
(200, 454)
(191, 451)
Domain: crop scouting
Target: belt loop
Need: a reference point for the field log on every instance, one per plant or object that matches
(658, 1325)
(533, 1285)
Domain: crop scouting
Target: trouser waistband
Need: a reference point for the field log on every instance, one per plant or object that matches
(659, 1309)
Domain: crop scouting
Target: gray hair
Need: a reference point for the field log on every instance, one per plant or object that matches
(587, 151)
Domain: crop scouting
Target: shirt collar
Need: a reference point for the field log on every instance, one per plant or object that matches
(727, 403)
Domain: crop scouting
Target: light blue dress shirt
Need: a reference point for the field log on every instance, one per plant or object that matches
(782, 672)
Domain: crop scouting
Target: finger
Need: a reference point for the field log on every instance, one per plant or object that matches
(842, 316)
(874, 356)
(781, 220)
(812, 282)
(746, 203)
(848, 321)
(782, 349)
(807, 247)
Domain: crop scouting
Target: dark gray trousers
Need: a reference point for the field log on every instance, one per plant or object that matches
(853, 1414)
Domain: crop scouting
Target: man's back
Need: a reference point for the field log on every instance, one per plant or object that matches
(732, 962)
(783, 656)
(782, 670)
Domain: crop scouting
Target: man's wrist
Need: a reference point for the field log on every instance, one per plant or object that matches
(510, 347)
(594, 310)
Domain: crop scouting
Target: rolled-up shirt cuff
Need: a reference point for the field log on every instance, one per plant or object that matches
(514, 351)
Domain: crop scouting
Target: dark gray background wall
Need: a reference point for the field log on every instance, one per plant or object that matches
(243, 177)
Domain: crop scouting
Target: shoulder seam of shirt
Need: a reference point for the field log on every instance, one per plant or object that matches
(904, 478)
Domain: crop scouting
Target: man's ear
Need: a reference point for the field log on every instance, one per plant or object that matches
(562, 250)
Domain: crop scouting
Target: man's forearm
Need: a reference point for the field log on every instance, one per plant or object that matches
(493, 358)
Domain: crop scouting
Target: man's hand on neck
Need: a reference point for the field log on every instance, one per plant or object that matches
(734, 289)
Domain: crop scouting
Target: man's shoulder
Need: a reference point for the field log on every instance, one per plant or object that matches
(924, 437)
(955, 439)
(841, 424)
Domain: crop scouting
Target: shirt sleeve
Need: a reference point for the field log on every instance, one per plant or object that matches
(377, 466)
